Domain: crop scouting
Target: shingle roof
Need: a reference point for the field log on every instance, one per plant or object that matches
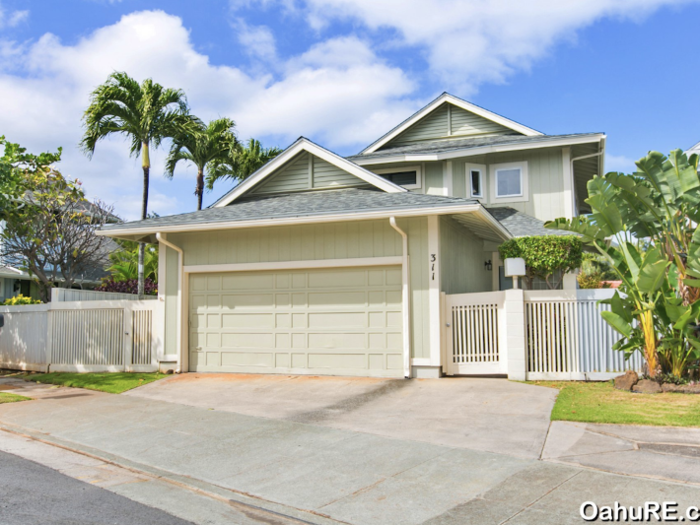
(306, 204)
(442, 146)
(520, 224)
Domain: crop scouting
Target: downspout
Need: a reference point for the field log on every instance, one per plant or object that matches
(406, 301)
(180, 255)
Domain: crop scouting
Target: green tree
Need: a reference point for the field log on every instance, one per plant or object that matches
(246, 161)
(51, 231)
(15, 166)
(211, 147)
(544, 256)
(145, 114)
(645, 226)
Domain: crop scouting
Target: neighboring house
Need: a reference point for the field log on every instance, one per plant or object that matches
(318, 264)
(695, 149)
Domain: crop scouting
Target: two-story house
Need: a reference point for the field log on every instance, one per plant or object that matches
(319, 264)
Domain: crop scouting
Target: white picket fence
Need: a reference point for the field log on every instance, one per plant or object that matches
(90, 336)
(70, 295)
(565, 336)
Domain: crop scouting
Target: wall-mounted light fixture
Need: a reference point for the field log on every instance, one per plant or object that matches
(488, 265)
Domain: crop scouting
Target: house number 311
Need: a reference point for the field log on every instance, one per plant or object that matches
(433, 260)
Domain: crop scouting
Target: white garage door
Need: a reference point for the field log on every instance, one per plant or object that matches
(344, 321)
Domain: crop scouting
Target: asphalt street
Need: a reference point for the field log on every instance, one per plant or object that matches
(32, 494)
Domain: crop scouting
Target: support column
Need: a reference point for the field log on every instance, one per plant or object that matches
(516, 347)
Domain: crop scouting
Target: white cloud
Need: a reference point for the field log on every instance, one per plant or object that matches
(13, 18)
(258, 40)
(46, 86)
(469, 42)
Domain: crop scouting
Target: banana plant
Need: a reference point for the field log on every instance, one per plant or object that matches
(645, 226)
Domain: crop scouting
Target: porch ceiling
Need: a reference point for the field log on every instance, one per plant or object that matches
(479, 226)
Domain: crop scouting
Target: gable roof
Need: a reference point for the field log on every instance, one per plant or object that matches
(694, 149)
(458, 102)
(304, 208)
(442, 149)
(303, 144)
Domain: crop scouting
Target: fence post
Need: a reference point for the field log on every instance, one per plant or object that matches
(516, 348)
(128, 337)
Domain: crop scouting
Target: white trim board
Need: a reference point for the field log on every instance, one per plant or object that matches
(455, 101)
(542, 142)
(295, 265)
(291, 152)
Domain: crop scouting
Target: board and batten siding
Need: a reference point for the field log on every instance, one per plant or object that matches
(305, 172)
(342, 240)
(545, 180)
(447, 121)
(462, 269)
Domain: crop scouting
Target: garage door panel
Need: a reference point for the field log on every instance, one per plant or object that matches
(247, 340)
(338, 279)
(245, 301)
(337, 320)
(248, 281)
(334, 299)
(338, 340)
(244, 320)
(333, 321)
(260, 359)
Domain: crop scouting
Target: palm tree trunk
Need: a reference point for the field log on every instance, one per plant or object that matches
(146, 165)
(199, 190)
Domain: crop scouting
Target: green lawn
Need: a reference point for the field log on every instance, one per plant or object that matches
(11, 398)
(599, 402)
(114, 383)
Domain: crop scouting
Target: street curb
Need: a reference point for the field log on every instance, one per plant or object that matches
(233, 497)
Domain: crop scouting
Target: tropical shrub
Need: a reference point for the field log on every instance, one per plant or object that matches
(545, 255)
(129, 286)
(20, 300)
(124, 263)
(645, 226)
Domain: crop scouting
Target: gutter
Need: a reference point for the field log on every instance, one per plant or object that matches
(180, 270)
(406, 300)
(228, 225)
(483, 150)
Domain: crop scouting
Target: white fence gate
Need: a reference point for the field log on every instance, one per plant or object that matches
(93, 336)
(565, 336)
(475, 331)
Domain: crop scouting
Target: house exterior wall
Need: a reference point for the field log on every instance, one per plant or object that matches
(545, 199)
(342, 240)
(462, 268)
(306, 172)
(448, 121)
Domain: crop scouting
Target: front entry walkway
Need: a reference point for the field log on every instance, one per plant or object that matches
(493, 415)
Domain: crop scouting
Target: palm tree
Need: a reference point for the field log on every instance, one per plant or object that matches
(145, 113)
(209, 147)
(247, 160)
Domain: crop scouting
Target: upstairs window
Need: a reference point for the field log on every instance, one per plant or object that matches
(475, 180)
(509, 182)
(408, 177)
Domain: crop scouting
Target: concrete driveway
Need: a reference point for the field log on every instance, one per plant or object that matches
(493, 415)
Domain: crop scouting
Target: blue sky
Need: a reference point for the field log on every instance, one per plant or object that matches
(342, 72)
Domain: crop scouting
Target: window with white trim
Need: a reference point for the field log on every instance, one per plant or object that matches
(408, 177)
(475, 180)
(509, 182)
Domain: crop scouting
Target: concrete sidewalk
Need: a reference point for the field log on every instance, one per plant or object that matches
(321, 475)
(664, 453)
